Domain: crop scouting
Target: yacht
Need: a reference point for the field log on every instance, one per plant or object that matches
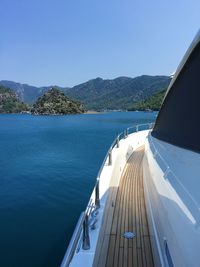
(144, 209)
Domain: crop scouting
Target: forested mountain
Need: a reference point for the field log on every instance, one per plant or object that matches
(120, 93)
(9, 103)
(98, 94)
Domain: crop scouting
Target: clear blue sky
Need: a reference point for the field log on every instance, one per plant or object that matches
(66, 42)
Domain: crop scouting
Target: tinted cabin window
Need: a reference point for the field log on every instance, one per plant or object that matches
(178, 121)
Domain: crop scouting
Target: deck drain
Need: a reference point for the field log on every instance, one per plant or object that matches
(129, 235)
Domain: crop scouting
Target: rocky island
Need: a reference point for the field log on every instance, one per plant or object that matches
(55, 102)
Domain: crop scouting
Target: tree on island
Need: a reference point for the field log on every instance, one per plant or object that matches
(55, 102)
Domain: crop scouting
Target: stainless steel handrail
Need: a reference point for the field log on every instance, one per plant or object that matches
(83, 222)
(73, 242)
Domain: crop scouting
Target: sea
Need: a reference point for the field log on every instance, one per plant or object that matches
(48, 168)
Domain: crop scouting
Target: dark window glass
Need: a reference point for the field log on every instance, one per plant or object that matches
(178, 121)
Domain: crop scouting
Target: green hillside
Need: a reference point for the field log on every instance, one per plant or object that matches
(153, 102)
(120, 93)
(9, 103)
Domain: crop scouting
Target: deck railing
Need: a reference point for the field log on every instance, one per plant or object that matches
(87, 219)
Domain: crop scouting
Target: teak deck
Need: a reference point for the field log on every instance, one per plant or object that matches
(125, 211)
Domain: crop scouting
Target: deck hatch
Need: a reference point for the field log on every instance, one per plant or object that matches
(129, 235)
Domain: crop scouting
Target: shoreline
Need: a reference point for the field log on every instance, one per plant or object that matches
(94, 112)
(89, 112)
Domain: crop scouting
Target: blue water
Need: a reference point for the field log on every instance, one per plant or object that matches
(48, 167)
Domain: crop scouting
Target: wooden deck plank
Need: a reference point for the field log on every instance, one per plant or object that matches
(137, 216)
(103, 243)
(118, 254)
(126, 211)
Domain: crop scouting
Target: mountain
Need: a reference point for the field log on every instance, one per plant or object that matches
(119, 93)
(54, 102)
(154, 102)
(9, 102)
(98, 94)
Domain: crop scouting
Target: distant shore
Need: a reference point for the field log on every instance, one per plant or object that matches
(93, 112)
(89, 112)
